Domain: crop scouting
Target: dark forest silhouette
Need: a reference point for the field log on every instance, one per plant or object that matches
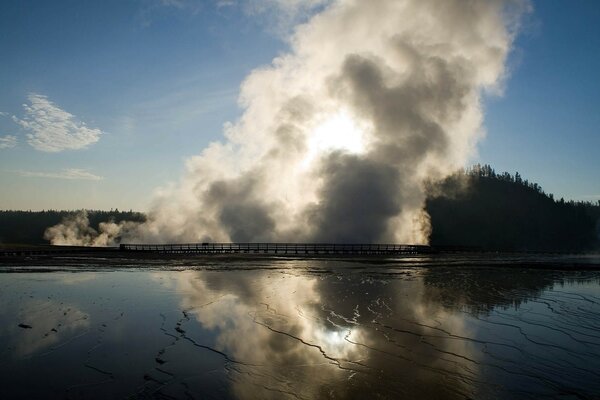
(28, 227)
(476, 207)
(479, 207)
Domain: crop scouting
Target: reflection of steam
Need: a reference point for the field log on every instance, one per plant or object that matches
(306, 329)
(257, 323)
(327, 338)
(246, 300)
(339, 135)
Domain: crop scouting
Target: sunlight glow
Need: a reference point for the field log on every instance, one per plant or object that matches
(338, 132)
(334, 341)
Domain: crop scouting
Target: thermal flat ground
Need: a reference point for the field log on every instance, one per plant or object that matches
(445, 328)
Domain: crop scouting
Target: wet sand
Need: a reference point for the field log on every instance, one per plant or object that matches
(414, 328)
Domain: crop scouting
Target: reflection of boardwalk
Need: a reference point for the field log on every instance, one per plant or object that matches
(278, 248)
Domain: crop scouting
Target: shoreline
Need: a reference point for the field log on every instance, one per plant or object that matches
(74, 257)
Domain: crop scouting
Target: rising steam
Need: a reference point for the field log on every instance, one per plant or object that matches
(75, 230)
(339, 136)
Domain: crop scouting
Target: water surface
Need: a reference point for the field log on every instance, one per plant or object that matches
(301, 329)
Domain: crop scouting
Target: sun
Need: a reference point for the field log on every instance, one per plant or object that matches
(339, 131)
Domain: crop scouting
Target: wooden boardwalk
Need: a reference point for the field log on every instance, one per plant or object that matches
(280, 248)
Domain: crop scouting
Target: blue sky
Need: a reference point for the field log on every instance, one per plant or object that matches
(144, 85)
(547, 124)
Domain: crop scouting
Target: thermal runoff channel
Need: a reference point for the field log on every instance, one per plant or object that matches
(339, 135)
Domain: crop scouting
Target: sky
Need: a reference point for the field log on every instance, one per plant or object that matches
(103, 102)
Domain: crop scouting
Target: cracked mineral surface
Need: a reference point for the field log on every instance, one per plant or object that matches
(302, 329)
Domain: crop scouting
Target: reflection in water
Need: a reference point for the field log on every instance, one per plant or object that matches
(52, 322)
(272, 328)
(344, 336)
(307, 331)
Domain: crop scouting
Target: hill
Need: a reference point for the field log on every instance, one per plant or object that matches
(478, 207)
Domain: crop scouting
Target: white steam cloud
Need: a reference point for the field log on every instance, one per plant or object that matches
(75, 230)
(340, 135)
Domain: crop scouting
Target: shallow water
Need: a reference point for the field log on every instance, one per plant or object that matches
(301, 329)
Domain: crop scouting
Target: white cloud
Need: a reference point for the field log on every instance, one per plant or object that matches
(68, 173)
(52, 129)
(8, 141)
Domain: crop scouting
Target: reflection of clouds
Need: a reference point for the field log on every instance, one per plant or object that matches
(51, 323)
(324, 337)
(64, 278)
(307, 332)
(269, 321)
(76, 278)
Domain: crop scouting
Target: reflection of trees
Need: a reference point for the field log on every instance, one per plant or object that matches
(331, 336)
(407, 335)
(538, 329)
(483, 289)
(379, 332)
(330, 330)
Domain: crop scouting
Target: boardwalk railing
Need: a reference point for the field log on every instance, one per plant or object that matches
(278, 248)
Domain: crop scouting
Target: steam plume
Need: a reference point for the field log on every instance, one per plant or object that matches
(75, 230)
(339, 135)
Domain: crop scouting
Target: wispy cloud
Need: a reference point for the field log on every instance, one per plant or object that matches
(183, 103)
(52, 129)
(8, 141)
(288, 6)
(283, 15)
(153, 9)
(173, 3)
(68, 173)
(226, 3)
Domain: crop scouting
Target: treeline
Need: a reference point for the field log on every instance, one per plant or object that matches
(476, 207)
(481, 208)
(28, 227)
